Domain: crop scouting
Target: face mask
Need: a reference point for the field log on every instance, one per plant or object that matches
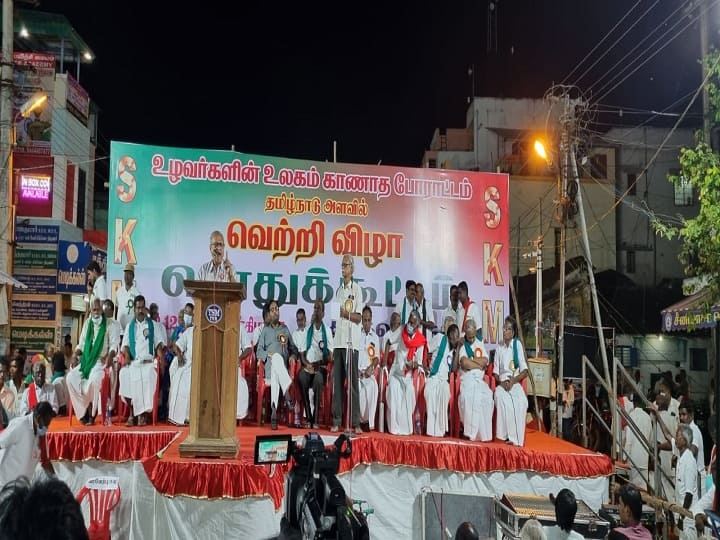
(41, 431)
(410, 328)
(187, 318)
(97, 319)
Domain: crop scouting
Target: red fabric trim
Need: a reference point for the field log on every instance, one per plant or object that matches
(32, 396)
(465, 307)
(115, 446)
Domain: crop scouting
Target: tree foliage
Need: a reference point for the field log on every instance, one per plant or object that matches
(700, 167)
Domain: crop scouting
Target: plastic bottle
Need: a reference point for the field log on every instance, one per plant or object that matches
(108, 415)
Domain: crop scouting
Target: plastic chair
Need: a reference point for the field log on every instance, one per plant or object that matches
(248, 369)
(103, 493)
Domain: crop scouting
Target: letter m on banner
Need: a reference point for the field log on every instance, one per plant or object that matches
(123, 241)
(492, 320)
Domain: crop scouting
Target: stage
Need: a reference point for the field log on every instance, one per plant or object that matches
(166, 496)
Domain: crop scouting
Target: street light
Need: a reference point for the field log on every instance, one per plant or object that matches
(540, 151)
(36, 101)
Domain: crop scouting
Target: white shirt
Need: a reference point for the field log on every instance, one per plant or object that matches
(408, 307)
(142, 347)
(685, 477)
(345, 328)
(450, 312)
(300, 339)
(99, 289)
(124, 300)
(477, 344)
(698, 443)
(209, 272)
(504, 360)
(184, 343)
(473, 313)
(314, 354)
(445, 361)
(556, 533)
(367, 341)
(46, 393)
(392, 337)
(19, 449)
(637, 454)
(112, 335)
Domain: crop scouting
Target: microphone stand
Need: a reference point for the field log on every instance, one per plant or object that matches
(348, 370)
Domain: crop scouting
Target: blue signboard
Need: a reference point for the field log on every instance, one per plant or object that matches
(36, 233)
(36, 283)
(73, 258)
(33, 310)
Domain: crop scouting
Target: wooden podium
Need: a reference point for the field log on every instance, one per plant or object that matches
(213, 391)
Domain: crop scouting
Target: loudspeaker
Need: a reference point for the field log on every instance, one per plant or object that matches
(579, 341)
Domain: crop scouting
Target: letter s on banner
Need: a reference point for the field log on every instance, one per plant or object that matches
(492, 215)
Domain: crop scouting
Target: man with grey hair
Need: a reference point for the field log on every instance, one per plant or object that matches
(219, 268)
(437, 389)
(347, 338)
(476, 398)
(685, 479)
(400, 396)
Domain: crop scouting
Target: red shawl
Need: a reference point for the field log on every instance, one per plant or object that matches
(413, 343)
(32, 396)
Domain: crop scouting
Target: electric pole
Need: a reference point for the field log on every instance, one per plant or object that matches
(6, 126)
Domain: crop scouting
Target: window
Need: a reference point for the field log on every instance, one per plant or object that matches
(698, 359)
(625, 355)
(632, 183)
(683, 189)
(630, 262)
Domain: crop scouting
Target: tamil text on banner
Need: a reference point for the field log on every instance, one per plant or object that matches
(33, 74)
(288, 222)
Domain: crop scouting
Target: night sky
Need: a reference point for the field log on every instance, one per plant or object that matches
(289, 78)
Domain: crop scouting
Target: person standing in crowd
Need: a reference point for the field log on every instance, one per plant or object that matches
(126, 296)
(219, 267)
(16, 383)
(568, 404)
(638, 457)
(476, 398)
(427, 319)
(39, 390)
(409, 302)
(316, 353)
(468, 309)
(276, 350)
(510, 400)
(138, 377)
(685, 480)
(532, 530)
(22, 444)
(565, 510)
(97, 285)
(699, 507)
(367, 360)
(443, 348)
(453, 309)
(630, 510)
(7, 397)
(347, 338)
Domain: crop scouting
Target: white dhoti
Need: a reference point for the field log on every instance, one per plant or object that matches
(279, 378)
(82, 392)
(179, 398)
(61, 391)
(243, 396)
(138, 382)
(368, 388)
(400, 401)
(476, 406)
(437, 397)
(511, 409)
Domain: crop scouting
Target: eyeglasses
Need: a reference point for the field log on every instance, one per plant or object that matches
(344, 265)
(217, 244)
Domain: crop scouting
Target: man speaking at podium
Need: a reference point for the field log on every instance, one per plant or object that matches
(219, 268)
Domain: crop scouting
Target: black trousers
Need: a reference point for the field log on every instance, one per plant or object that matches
(339, 376)
(314, 381)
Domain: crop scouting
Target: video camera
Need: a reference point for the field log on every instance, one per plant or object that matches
(316, 505)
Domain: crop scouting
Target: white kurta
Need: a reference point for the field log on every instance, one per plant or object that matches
(138, 380)
(400, 397)
(476, 399)
(83, 392)
(392, 337)
(666, 455)
(638, 456)
(46, 393)
(406, 306)
(124, 302)
(686, 482)
(368, 386)
(180, 379)
(511, 406)
(473, 312)
(437, 389)
(243, 394)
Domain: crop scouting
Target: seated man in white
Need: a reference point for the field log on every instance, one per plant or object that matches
(510, 400)
(138, 377)
(367, 360)
(476, 398)
(243, 394)
(99, 341)
(392, 337)
(109, 312)
(180, 378)
(315, 352)
(38, 391)
(443, 348)
(400, 396)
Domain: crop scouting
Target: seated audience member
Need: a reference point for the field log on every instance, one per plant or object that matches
(630, 510)
(21, 443)
(38, 391)
(437, 388)
(565, 510)
(46, 509)
(316, 350)
(58, 381)
(476, 398)
(367, 360)
(180, 378)
(532, 530)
